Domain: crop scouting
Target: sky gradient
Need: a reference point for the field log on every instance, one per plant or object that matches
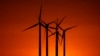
(16, 15)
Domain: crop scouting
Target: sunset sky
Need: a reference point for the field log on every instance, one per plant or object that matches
(16, 15)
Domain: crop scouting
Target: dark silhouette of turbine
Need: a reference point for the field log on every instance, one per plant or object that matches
(64, 38)
(57, 34)
(40, 24)
(46, 26)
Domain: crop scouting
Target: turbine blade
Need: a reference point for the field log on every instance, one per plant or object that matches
(61, 41)
(40, 14)
(59, 34)
(52, 27)
(57, 21)
(31, 27)
(60, 28)
(50, 31)
(43, 22)
(52, 34)
(58, 37)
(42, 25)
(61, 20)
(70, 28)
(51, 22)
(63, 34)
(62, 38)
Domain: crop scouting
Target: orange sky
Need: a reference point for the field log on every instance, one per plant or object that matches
(19, 14)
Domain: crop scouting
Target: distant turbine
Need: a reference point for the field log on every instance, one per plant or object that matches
(57, 33)
(64, 38)
(46, 26)
(40, 24)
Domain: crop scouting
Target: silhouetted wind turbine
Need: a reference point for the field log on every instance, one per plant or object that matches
(40, 24)
(64, 38)
(46, 26)
(57, 33)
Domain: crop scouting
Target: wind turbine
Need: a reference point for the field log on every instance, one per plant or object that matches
(38, 24)
(46, 26)
(64, 38)
(57, 33)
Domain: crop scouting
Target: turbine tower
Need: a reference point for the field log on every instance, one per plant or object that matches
(38, 24)
(57, 33)
(64, 38)
(46, 26)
